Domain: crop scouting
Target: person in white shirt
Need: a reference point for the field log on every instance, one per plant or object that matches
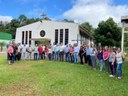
(93, 57)
(119, 62)
(19, 51)
(36, 52)
(23, 52)
(29, 50)
(50, 52)
(76, 53)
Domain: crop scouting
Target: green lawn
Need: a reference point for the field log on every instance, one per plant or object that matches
(47, 78)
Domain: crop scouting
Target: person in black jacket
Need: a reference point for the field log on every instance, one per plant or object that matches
(81, 54)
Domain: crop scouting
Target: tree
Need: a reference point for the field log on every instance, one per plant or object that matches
(1, 26)
(22, 18)
(108, 33)
(88, 27)
(11, 27)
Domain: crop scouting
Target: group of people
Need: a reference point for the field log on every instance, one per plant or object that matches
(111, 57)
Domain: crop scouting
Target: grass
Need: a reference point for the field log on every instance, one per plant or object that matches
(48, 78)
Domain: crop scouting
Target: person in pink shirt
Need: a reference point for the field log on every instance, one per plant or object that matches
(10, 53)
(106, 58)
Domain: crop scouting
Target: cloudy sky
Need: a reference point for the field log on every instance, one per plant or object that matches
(92, 11)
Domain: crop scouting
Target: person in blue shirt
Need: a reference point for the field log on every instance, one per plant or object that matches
(66, 51)
(88, 54)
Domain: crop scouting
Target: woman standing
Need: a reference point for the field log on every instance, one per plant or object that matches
(112, 62)
(100, 58)
(81, 54)
(50, 53)
(119, 62)
(93, 57)
(106, 57)
(10, 53)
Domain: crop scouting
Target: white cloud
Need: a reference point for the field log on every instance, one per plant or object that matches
(94, 11)
(6, 18)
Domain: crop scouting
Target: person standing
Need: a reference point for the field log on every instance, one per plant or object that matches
(71, 53)
(19, 51)
(85, 56)
(57, 52)
(50, 53)
(29, 50)
(66, 51)
(112, 62)
(81, 54)
(61, 54)
(88, 53)
(106, 58)
(100, 58)
(76, 53)
(53, 51)
(10, 54)
(119, 62)
(36, 52)
(15, 52)
(24, 49)
(93, 57)
(40, 50)
(43, 52)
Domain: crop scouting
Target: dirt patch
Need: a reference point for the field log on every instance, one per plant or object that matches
(25, 89)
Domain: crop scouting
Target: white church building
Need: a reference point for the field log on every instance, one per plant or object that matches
(53, 31)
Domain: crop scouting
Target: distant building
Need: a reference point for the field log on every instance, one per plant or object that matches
(53, 31)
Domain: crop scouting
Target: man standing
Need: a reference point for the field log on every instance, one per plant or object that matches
(76, 53)
(53, 51)
(40, 50)
(66, 50)
(24, 52)
(61, 54)
(29, 49)
(36, 52)
(19, 51)
(88, 53)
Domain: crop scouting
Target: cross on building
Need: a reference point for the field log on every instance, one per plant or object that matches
(77, 40)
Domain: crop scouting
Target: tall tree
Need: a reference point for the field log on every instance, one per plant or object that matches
(108, 33)
(11, 27)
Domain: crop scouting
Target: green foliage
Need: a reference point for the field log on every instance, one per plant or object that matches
(50, 78)
(88, 27)
(10, 27)
(2, 44)
(43, 42)
(108, 33)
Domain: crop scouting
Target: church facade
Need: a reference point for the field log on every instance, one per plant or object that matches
(53, 31)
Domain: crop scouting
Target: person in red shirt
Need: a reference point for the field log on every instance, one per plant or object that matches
(40, 50)
(10, 53)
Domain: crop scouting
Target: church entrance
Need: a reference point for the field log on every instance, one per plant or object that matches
(42, 41)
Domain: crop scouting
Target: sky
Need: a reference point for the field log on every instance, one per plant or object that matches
(92, 11)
